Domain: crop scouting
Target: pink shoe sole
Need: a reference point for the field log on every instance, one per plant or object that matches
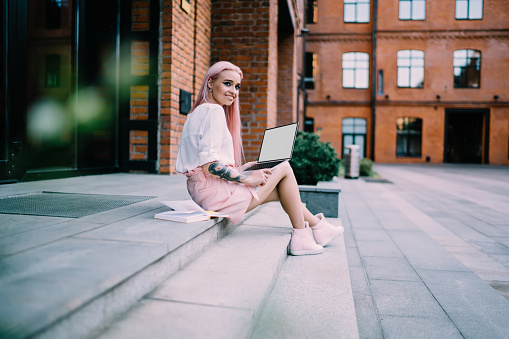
(306, 252)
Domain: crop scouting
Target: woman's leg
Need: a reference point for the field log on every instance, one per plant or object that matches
(282, 186)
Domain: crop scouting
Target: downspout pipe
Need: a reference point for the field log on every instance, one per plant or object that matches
(373, 79)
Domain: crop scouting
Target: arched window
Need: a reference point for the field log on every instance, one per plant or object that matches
(411, 68)
(354, 133)
(409, 137)
(355, 70)
(467, 68)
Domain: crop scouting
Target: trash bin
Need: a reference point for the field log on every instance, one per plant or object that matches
(352, 161)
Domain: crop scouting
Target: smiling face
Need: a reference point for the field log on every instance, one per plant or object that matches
(225, 88)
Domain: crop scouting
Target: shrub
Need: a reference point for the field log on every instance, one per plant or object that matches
(313, 160)
(365, 167)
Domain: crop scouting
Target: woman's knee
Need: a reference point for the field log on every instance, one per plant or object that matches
(285, 168)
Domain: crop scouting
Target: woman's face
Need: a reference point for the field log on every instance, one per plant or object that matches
(225, 88)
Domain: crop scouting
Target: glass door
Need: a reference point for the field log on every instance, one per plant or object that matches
(50, 65)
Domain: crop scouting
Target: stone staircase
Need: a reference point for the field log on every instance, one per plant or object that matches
(244, 286)
(124, 274)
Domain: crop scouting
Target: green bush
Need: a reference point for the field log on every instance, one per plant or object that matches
(365, 167)
(313, 160)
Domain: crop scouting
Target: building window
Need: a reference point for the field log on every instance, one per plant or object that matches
(312, 12)
(311, 62)
(355, 70)
(380, 90)
(354, 133)
(412, 9)
(469, 9)
(409, 137)
(356, 11)
(53, 18)
(52, 70)
(411, 68)
(309, 124)
(467, 68)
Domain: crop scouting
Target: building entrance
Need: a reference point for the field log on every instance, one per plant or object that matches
(465, 136)
(60, 109)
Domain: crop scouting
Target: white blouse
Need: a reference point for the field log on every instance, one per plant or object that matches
(205, 138)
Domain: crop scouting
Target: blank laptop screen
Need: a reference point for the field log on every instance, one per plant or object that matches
(278, 143)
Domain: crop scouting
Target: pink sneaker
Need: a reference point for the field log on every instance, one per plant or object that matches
(324, 232)
(303, 243)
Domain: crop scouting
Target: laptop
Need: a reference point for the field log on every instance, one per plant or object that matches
(277, 146)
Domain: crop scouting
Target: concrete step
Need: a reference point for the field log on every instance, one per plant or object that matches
(77, 281)
(222, 293)
(312, 298)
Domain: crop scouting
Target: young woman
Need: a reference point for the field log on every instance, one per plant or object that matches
(210, 155)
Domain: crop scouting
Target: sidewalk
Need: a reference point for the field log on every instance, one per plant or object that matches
(427, 256)
(429, 252)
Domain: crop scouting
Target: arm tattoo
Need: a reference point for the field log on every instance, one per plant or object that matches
(226, 173)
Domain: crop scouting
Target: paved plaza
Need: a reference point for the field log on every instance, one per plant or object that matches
(425, 254)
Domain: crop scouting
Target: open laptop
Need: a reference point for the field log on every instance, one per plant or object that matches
(277, 146)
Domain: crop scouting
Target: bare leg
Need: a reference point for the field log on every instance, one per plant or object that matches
(282, 186)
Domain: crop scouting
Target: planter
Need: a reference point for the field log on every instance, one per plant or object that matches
(322, 198)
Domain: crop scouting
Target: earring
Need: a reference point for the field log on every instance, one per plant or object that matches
(210, 89)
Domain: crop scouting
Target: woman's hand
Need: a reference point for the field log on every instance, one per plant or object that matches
(247, 165)
(257, 178)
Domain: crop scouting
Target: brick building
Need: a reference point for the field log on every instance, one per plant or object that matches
(410, 81)
(96, 86)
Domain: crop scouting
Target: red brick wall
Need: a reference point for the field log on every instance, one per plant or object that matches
(245, 33)
(138, 140)
(184, 61)
(287, 80)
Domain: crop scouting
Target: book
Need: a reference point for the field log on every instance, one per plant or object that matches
(186, 211)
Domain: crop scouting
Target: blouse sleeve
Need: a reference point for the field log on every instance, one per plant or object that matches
(211, 136)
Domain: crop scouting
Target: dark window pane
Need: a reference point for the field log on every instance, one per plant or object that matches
(52, 70)
(312, 12)
(309, 70)
(467, 68)
(409, 137)
(53, 14)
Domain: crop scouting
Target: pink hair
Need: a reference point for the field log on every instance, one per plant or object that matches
(232, 112)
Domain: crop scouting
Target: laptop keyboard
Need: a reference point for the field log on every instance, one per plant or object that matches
(268, 164)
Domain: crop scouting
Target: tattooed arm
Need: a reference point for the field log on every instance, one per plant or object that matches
(224, 172)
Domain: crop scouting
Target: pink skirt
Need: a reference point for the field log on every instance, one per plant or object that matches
(214, 194)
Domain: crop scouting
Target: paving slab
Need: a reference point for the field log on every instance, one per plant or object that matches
(451, 239)
(376, 268)
(475, 308)
(418, 328)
